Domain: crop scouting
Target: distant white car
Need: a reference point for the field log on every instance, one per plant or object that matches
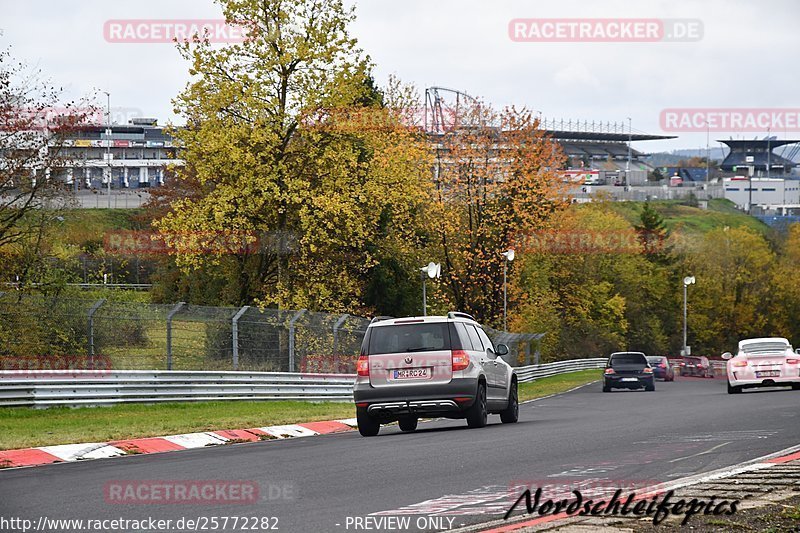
(767, 362)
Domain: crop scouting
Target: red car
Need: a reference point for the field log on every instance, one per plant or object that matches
(696, 365)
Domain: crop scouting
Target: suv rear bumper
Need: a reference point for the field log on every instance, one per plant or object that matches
(422, 400)
(418, 408)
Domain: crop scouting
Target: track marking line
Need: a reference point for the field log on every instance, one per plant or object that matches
(560, 393)
(700, 453)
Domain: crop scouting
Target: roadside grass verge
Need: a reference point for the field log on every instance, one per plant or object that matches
(555, 384)
(24, 427)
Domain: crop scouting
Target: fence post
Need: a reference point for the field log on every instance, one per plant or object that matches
(235, 336)
(92, 311)
(527, 353)
(169, 332)
(336, 332)
(291, 338)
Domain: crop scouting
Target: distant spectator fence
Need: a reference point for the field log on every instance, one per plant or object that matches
(38, 333)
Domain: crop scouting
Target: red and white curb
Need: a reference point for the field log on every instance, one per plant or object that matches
(66, 453)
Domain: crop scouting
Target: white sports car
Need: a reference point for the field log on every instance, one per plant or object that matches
(768, 362)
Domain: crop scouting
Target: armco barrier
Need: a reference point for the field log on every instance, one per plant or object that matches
(47, 388)
(534, 372)
(144, 386)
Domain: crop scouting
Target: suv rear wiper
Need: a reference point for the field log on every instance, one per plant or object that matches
(423, 349)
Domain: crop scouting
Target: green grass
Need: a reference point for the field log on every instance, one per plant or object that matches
(791, 512)
(23, 428)
(692, 220)
(555, 384)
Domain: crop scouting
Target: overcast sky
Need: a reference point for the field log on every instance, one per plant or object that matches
(745, 58)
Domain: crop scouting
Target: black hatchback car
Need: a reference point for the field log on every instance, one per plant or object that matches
(628, 370)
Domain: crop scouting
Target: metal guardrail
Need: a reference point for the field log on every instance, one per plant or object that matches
(534, 372)
(42, 388)
(47, 388)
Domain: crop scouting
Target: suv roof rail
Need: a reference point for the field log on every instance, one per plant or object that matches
(458, 314)
(379, 318)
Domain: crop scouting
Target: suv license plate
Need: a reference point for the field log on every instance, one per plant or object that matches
(630, 379)
(411, 373)
(768, 374)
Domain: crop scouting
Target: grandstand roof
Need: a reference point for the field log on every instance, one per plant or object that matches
(761, 152)
(604, 136)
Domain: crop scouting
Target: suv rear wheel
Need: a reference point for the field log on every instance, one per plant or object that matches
(408, 423)
(477, 414)
(367, 426)
(511, 413)
(732, 389)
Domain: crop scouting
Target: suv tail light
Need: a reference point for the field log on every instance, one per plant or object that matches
(460, 360)
(648, 370)
(663, 364)
(610, 371)
(792, 361)
(740, 363)
(362, 365)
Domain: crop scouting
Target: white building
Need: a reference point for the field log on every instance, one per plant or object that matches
(140, 152)
(769, 194)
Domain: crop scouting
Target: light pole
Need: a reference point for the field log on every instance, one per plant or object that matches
(769, 152)
(630, 140)
(708, 154)
(433, 270)
(688, 280)
(509, 255)
(108, 146)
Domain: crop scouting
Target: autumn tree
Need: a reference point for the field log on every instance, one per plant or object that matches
(34, 124)
(731, 300)
(495, 183)
(278, 158)
(786, 291)
(590, 286)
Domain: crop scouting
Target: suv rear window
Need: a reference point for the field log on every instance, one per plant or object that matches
(628, 359)
(409, 338)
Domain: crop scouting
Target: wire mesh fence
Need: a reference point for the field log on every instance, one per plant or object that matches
(38, 333)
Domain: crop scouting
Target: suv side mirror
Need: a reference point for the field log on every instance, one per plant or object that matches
(501, 350)
(797, 351)
(727, 355)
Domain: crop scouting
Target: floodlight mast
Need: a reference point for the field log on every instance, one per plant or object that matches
(509, 255)
(688, 280)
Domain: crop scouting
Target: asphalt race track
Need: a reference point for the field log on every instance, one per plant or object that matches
(324, 483)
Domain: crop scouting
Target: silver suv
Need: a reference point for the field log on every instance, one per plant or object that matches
(434, 366)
